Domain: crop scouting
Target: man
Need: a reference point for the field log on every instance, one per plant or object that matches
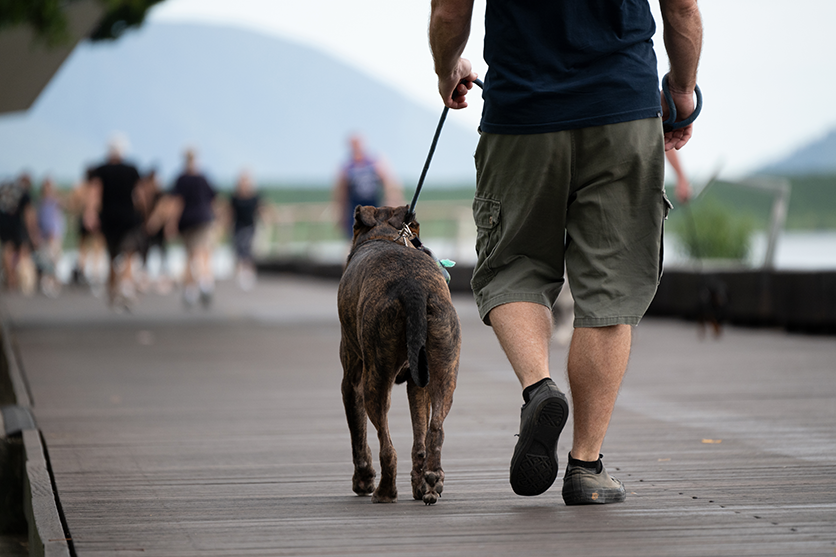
(195, 199)
(363, 180)
(18, 232)
(113, 209)
(570, 169)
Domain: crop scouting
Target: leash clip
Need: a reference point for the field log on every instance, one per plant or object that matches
(405, 234)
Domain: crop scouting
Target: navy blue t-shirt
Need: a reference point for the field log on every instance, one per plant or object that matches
(567, 64)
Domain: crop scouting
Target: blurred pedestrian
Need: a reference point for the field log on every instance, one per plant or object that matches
(683, 185)
(51, 225)
(194, 197)
(363, 180)
(155, 236)
(113, 209)
(91, 262)
(18, 233)
(244, 205)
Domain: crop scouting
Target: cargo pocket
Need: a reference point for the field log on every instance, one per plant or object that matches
(486, 214)
(666, 211)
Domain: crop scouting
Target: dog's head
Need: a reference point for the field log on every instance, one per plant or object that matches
(380, 223)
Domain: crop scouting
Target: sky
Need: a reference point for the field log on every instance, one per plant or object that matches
(766, 73)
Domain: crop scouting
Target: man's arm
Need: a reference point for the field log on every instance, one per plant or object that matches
(92, 204)
(683, 43)
(449, 31)
(683, 186)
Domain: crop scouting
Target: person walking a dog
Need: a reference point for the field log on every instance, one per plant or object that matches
(570, 167)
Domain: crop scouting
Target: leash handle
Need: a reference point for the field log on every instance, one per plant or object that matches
(671, 124)
(411, 214)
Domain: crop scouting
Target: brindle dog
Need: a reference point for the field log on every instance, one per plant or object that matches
(398, 325)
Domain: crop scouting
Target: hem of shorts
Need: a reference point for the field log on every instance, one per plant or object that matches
(549, 127)
(502, 299)
(593, 322)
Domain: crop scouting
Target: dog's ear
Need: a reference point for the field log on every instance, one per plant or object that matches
(365, 218)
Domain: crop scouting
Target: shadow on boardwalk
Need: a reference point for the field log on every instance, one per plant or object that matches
(177, 433)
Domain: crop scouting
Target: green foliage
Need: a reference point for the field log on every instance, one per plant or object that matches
(812, 203)
(276, 193)
(708, 229)
(46, 17)
(49, 21)
(121, 15)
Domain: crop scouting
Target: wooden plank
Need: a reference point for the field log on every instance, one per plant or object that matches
(46, 534)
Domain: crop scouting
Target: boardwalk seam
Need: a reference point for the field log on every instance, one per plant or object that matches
(48, 532)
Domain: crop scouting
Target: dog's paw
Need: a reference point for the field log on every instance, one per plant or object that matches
(432, 486)
(363, 482)
(379, 497)
(434, 481)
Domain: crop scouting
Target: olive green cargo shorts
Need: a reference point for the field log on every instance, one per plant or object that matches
(591, 199)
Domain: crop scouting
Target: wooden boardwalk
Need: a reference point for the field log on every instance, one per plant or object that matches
(175, 433)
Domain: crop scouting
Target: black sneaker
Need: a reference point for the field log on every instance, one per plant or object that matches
(584, 486)
(534, 464)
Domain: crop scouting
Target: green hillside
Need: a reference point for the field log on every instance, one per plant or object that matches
(812, 203)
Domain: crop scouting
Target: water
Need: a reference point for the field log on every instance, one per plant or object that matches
(795, 251)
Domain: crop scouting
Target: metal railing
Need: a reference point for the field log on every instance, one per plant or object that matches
(313, 230)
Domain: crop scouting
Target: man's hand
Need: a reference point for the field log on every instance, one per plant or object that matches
(684, 102)
(454, 88)
(449, 31)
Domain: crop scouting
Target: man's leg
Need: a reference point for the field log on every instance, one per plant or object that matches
(524, 331)
(597, 362)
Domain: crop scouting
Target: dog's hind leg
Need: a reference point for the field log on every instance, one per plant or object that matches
(433, 474)
(444, 346)
(419, 408)
(377, 395)
(355, 412)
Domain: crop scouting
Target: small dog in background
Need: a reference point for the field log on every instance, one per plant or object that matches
(713, 303)
(398, 325)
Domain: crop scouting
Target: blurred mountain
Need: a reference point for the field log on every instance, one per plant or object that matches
(243, 99)
(818, 157)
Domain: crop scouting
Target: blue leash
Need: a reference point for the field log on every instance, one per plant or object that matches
(671, 124)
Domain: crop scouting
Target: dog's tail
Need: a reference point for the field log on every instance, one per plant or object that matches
(415, 306)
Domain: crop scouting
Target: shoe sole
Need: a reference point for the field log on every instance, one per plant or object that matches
(534, 466)
(594, 496)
